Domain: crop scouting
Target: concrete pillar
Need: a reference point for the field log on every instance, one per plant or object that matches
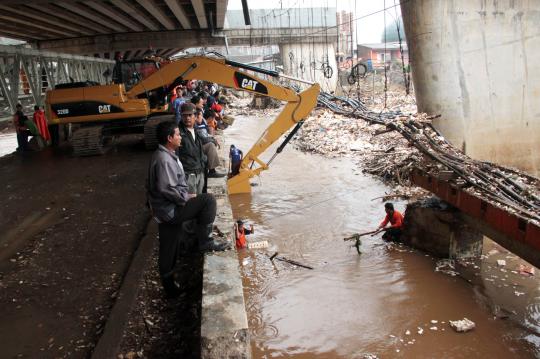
(475, 63)
(305, 61)
(434, 227)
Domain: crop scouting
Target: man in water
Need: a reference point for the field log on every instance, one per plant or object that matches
(395, 218)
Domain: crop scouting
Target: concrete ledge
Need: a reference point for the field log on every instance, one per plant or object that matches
(224, 324)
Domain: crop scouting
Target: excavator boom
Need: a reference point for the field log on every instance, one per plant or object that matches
(298, 105)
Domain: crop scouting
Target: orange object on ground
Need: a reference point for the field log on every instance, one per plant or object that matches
(396, 220)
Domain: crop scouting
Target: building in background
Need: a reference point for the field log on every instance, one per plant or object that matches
(382, 53)
(345, 46)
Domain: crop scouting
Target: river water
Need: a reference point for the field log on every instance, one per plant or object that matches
(376, 303)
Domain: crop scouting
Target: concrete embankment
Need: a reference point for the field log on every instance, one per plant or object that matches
(224, 325)
(208, 320)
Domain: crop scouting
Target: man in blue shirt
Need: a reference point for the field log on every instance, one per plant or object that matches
(177, 104)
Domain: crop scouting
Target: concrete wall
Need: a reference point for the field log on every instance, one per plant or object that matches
(306, 54)
(475, 62)
(434, 227)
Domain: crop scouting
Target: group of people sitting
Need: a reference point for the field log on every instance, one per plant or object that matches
(176, 184)
(26, 127)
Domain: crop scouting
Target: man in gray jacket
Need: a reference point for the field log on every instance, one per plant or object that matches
(171, 205)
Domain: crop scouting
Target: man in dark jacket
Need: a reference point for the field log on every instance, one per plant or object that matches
(172, 205)
(191, 152)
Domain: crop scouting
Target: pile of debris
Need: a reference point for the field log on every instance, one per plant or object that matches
(400, 142)
(373, 147)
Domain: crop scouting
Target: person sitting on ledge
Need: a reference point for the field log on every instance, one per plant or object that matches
(172, 204)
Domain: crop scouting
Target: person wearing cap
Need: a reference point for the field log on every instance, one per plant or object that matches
(171, 205)
(395, 219)
(191, 152)
(241, 232)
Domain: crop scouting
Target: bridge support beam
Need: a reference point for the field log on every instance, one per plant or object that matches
(474, 62)
(307, 61)
(437, 228)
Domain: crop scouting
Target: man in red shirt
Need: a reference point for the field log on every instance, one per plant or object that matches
(241, 233)
(396, 222)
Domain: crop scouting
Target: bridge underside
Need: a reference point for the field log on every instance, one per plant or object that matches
(46, 24)
(167, 42)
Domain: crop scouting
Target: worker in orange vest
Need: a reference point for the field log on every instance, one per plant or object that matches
(395, 219)
(241, 233)
(41, 123)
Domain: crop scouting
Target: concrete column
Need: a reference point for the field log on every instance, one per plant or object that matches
(434, 227)
(305, 61)
(475, 63)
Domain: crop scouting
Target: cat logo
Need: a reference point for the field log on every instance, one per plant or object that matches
(249, 84)
(245, 82)
(104, 108)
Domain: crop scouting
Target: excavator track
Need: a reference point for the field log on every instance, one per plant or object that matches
(89, 141)
(150, 127)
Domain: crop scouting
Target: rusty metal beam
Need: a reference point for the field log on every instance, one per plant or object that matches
(516, 233)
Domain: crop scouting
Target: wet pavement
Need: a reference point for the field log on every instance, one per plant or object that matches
(68, 229)
(8, 143)
(389, 301)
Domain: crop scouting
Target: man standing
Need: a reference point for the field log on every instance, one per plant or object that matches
(19, 119)
(191, 152)
(177, 104)
(171, 205)
(396, 222)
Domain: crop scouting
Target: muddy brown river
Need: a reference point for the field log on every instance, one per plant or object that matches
(389, 302)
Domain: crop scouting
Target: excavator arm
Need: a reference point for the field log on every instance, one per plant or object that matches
(228, 74)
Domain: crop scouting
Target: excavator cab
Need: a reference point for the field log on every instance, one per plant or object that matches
(132, 72)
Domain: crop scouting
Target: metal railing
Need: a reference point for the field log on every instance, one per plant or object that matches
(26, 72)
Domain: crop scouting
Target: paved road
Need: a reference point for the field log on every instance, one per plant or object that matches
(69, 228)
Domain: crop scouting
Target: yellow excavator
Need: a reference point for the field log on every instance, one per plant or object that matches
(105, 110)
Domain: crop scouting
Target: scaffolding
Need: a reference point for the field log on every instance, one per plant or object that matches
(26, 72)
